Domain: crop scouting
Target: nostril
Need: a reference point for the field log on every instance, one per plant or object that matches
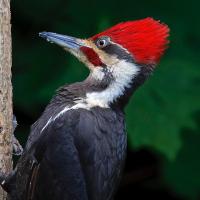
(43, 35)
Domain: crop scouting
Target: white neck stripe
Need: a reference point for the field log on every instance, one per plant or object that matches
(123, 72)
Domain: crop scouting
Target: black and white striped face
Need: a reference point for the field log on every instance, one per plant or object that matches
(104, 52)
(106, 58)
(106, 44)
(95, 54)
(109, 64)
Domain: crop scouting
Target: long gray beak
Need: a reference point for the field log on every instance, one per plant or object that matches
(64, 41)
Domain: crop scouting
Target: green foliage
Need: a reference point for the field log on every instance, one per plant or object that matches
(160, 115)
(164, 105)
(184, 174)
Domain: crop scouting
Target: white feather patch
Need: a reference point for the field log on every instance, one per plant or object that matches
(79, 104)
(123, 72)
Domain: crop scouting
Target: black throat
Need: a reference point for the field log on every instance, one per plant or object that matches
(143, 74)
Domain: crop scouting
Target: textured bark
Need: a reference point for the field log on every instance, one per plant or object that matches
(5, 91)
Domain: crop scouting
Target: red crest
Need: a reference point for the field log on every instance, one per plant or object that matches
(145, 39)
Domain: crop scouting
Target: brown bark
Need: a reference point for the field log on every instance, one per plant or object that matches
(6, 114)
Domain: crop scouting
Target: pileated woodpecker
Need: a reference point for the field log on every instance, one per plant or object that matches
(76, 149)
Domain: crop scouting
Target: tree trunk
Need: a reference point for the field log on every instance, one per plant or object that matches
(6, 114)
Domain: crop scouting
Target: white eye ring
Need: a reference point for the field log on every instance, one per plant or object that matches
(102, 42)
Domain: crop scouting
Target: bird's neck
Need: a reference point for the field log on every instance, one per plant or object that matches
(112, 93)
(122, 100)
(126, 78)
(111, 90)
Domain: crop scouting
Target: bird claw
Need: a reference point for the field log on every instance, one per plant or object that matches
(17, 148)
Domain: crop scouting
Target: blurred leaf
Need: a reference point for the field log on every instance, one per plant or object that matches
(160, 108)
(183, 174)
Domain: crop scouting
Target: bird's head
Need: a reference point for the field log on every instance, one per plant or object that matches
(119, 55)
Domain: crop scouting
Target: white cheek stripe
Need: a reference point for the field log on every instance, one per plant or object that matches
(123, 72)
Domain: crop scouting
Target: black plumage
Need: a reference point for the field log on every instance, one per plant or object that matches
(81, 153)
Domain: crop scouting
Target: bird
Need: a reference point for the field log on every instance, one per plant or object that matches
(76, 150)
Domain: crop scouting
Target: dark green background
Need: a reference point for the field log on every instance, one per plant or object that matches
(163, 117)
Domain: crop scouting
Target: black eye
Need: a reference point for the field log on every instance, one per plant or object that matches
(103, 42)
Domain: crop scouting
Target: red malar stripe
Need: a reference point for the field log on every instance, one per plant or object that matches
(92, 56)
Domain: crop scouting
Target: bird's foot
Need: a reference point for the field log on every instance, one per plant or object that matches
(17, 148)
